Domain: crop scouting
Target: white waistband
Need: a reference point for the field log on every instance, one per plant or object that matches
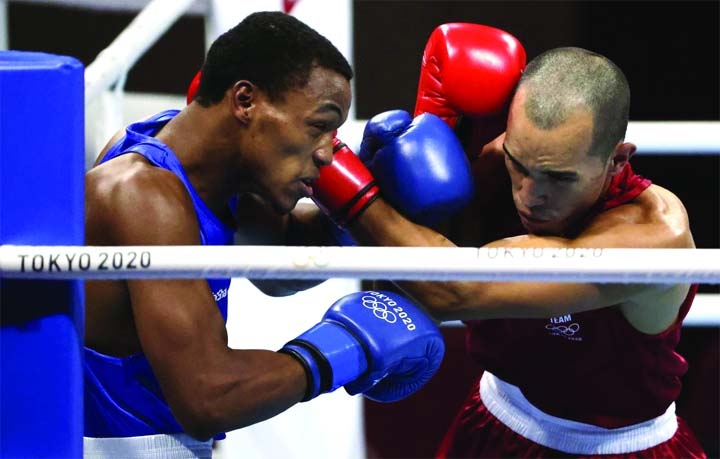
(174, 446)
(507, 403)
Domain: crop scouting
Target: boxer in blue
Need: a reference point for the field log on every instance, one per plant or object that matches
(160, 379)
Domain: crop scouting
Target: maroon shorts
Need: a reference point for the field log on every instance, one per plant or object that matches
(476, 433)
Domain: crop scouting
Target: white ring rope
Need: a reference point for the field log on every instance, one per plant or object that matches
(675, 137)
(654, 266)
(144, 30)
(651, 137)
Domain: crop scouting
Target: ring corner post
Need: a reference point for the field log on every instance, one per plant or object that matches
(41, 203)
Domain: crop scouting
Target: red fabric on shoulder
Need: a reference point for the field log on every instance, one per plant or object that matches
(624, 187)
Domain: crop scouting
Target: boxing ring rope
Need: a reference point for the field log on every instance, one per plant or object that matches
(655, 266)
(144, 30)
(651, 137)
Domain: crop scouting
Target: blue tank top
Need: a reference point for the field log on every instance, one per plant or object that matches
(122, 395)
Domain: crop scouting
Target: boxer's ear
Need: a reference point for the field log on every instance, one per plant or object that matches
(620, 156)
(242, 97)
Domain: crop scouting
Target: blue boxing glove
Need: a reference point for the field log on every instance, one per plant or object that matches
(376, 343)
(419, 165)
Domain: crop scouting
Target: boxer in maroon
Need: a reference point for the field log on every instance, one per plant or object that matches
(572, 369)
(591, 367)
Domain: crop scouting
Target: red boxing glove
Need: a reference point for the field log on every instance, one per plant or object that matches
(345, 187)
(192, 89)
(470, 70)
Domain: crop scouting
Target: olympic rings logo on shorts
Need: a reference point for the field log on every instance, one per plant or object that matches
(567, 330)
(379, 309)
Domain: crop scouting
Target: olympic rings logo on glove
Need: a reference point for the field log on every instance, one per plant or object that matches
(385, 308)
(379, 309)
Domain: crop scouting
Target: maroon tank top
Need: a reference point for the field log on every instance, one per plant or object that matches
(593, 366)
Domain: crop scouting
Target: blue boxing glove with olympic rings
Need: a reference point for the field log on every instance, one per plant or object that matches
(376, 343)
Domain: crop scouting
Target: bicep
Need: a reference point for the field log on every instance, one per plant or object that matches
(178, 324)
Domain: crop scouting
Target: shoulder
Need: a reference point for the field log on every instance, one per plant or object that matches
(129, 201)
(664, 204)
(115, 138)
(656, 218)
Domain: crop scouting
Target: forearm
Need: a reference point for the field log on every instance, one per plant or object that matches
(381, 225)
(347, 348)
(276, 383)
(235, 390)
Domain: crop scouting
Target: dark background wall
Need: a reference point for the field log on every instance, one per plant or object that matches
(668, 49)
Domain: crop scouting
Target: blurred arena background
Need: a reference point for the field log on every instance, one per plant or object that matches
(668, 49)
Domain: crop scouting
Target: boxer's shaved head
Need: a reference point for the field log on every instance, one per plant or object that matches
(563, 80)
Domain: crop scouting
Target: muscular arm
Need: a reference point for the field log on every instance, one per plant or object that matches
(210, 387)
(655, 220)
